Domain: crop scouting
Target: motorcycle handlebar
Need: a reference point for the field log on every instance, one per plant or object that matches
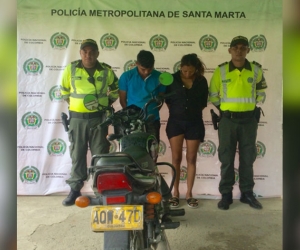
(106, 123)
(159, 100)
(154, 100)
(119, 116)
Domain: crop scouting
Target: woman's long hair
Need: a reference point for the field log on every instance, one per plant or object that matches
(193, 60)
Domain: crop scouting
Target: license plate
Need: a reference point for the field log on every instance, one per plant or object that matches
(117, 217)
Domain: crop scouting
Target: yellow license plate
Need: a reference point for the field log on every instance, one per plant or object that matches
(117, 217)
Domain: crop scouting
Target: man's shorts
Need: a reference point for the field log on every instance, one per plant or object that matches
(192, 130)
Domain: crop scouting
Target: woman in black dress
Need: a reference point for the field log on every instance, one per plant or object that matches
(185, 122)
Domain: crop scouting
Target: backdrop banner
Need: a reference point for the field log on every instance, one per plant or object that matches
(49, 38)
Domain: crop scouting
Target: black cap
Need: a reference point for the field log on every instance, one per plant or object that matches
(89, 42)
(239, 40)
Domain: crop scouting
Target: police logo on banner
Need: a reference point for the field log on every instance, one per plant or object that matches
(208, 43)
(207, 149)
(31, 120)
(183, 173)
(236, 176)
(56, 147)
(261, 149)
(30, 175)
(109, 42)
(176, 66)
(55, 94)
(158, 43)
(59, 40)
(33, 66)
(113, 147)
(129, 65)
(258, 43)
(161, 148)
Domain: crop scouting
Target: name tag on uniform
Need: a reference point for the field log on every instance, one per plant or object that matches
(76, 77)
(226, 80)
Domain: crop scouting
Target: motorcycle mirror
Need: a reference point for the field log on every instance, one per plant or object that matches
(165, 78)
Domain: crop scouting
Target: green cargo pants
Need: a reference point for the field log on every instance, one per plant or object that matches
(81, 138)
(233, 133)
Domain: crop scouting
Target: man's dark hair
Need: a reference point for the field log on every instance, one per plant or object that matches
(145, 59)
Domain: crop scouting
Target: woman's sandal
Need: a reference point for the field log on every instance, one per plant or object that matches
(174, 202)
(192, 202)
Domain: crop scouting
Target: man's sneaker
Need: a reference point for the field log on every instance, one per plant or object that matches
(70, 200)
(225, 202)
(249, 198)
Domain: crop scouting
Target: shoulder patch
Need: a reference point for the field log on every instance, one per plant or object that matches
(224, 63)
(75, 62)
(106, 65)
(256, 63)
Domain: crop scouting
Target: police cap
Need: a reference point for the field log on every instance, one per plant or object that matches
(89, 42)
(239, 40)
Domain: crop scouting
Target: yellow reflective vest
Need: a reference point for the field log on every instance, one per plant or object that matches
(75, 86)
(236, 90)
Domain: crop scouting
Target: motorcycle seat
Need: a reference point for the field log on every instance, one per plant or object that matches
(114, 161)
(141, 156)
(144, 181)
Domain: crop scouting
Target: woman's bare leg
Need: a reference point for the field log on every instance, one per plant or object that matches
(176, 144)
(191, 157)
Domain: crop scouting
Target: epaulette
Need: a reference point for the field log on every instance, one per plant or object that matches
(257, 64)
(106, 65)
(75, 62)
(224, 63)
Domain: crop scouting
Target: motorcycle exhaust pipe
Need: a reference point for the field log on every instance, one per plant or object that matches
(170, 225)
(176, 212)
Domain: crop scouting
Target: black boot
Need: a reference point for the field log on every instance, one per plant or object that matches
(225, 202)
(249, 198)
(70, 200)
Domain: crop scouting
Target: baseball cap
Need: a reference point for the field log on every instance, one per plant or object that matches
(239, 40)
(89, 42)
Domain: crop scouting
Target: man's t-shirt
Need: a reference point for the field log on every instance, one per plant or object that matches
(140, 91)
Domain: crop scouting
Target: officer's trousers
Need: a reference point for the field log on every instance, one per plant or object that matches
(237, 136)
(81, 139)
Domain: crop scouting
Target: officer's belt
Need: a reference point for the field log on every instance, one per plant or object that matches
(240, 115)
(91, 115)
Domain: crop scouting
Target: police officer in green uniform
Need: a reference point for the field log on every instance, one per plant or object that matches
(88, 86)
(235, 89)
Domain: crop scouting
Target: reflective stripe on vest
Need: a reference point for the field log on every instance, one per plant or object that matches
(238, 100)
